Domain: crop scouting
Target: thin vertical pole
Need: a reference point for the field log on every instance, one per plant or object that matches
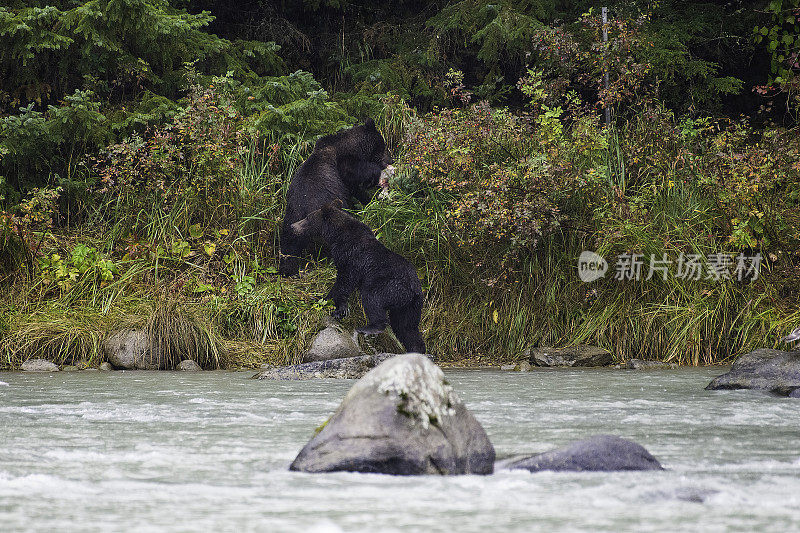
(605, 63)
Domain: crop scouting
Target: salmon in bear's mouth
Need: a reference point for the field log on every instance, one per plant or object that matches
(386, 175)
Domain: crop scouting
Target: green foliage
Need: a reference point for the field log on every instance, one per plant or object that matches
(291, 108)
(497, 34)
(782, 37)
(86, 265)
(37, 145)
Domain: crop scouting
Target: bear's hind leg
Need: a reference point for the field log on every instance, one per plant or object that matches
(405, 325)
(376, 314)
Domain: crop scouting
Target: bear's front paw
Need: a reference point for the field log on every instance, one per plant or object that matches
(340, 312)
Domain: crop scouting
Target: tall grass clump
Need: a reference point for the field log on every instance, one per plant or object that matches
(175, 334)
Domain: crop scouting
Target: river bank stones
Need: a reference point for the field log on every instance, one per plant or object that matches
(39, 365)
(401, 418)
(642, 364)
(336, 342)
(601, 453)
(764, 369)
(129, 349)
(345, 368)
(580, 355)
(187, 365)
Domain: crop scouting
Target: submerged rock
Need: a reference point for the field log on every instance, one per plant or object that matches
(187, 365)
(39, 365)
(345, 368)
(601, 453)
(686, 494)
(106, 367)
(580, 355)
(641, 364)
(129, 349)
(764, 369)
(401, 418)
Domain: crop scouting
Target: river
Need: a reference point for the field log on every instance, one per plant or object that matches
(162, 451)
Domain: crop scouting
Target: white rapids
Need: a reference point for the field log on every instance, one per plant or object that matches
(162, 451)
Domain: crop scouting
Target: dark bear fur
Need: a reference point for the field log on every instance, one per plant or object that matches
(387, 282)
(343, 165)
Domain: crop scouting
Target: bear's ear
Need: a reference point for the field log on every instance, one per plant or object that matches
(370, 124)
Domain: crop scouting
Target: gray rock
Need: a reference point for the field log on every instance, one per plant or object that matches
(641, 364)
(580, 355)
(332, 343)
(401, 418)
(346, 368)
(601, 453)
(795, 393)
(335, 342)
(187, 365)
(39, 365)
(524, 366)
(508, 367)
(69, 368)
(764, 369)
(106, 367)
(129, 349)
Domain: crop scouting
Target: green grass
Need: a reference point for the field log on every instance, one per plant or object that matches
(197, 307)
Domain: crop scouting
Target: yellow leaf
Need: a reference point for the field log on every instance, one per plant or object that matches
(495, 316)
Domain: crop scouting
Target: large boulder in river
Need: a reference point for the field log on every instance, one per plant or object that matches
(580, 355)
(601, 453)
(129, 349)
(402, 418)
(345, 368)
(764, 369)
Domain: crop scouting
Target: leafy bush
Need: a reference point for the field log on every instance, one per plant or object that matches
(506, 180)
(188, 162)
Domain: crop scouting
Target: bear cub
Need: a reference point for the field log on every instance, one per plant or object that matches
(343, 165)
(387, 282)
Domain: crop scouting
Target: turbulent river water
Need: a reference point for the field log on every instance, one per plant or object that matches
(158, 451)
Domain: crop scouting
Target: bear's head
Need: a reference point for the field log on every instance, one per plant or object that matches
(376, 145)
(327, 219)
(361, 142)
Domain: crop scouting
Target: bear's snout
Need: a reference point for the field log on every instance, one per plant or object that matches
(299, 227)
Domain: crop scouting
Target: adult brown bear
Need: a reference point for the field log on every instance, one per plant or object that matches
(343, 165)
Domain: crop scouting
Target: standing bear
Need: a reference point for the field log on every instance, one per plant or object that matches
(342, 165)
(387, 282)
